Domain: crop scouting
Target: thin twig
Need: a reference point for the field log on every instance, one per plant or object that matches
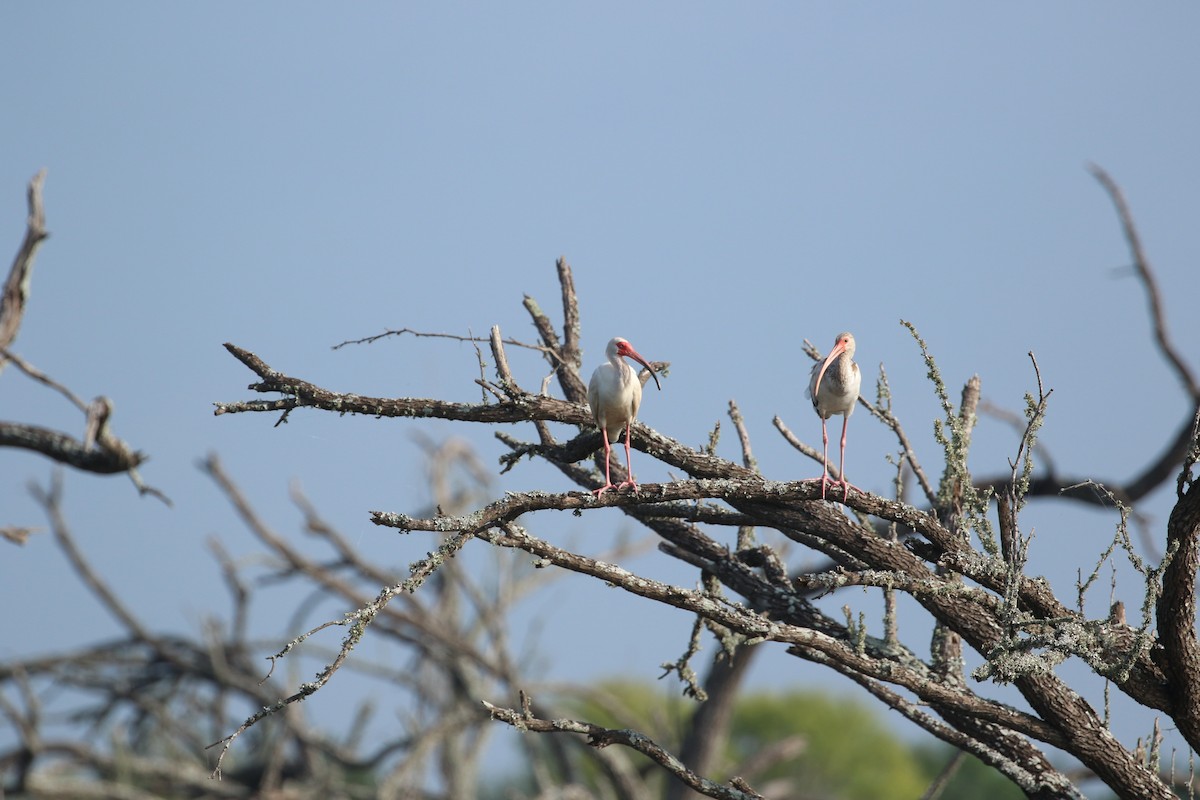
(1142, 266)
(42, 378)
(739, 424)
(51, 501)
(598, 736)
(430, 335)
(502, 369)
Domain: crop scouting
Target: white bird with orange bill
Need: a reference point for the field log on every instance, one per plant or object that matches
(834, 390)
(614, 395)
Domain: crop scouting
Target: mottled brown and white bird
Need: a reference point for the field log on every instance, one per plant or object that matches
(834, 390)
(614, 395)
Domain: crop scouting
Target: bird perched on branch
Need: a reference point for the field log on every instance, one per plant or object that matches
(834, 390)
(614, 395)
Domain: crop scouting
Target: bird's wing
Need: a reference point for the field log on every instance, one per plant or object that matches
(593, 394)
(812, 383)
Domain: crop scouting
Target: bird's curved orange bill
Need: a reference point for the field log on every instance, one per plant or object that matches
(638, 358)
(837, 350)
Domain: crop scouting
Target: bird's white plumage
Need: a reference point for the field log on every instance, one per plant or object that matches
(614, 393)
(614, 396)
(833, 387)
(834, 382)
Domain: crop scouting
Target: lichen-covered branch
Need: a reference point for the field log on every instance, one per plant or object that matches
(973, 584)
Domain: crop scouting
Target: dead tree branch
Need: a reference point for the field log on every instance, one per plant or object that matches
(603, 737)
(98, 450)
(16, 287)
(949, 562)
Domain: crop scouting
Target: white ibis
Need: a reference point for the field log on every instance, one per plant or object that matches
(614, 394)
(835, 393)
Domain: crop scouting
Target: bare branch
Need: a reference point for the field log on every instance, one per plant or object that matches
(502, 369)
(42, 378)
(15, 534)
(739, 424)
(429, 335)
(66, 450)
(302, 394)
(51, 501)
(1142, 266)
(1164, 466)
(603, 737)
(16, 287)
(571, 350)
(567, 371)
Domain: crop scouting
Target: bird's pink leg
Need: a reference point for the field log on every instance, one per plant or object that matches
(608, 484)
(628, 461)
(824, 458)
(842, 460)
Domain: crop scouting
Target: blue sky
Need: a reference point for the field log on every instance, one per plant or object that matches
(726, 181)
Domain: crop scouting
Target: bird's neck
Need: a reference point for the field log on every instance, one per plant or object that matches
(842, 368)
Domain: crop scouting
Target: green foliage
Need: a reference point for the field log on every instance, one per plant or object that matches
(848, 754)
(847, 751)
(973, 780)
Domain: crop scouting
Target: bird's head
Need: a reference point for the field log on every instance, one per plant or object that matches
(621, 348)
(844, 344)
